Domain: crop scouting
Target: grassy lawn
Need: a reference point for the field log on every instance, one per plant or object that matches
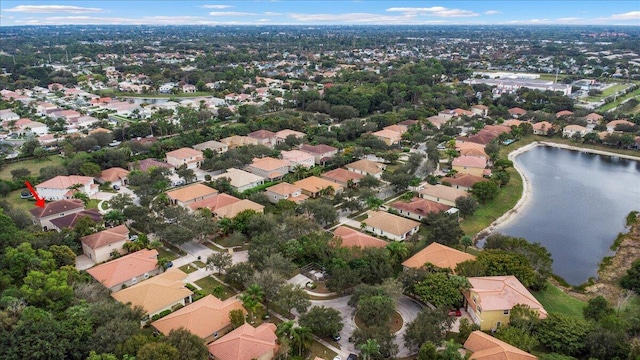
(608, 92)
(189, 268)
(199, 264)
(208, 283)
(32, 165)
(23, 204)
(93, 204)
(619, 100)
(321, 351)
(164, 253)
(556, 301)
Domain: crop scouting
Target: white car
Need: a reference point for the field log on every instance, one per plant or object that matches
(337, 357)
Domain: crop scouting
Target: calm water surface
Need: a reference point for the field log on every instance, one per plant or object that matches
(578, 205)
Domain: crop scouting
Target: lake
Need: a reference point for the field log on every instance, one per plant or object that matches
(577, 206)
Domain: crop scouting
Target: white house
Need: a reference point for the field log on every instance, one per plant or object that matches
(298, 158)
(391, 226)
(185, 156)
(60, 187)
(241, 180)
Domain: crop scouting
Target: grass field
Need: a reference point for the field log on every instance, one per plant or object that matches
(208, 283)
(23, 204)
(164, 253)
(188, 268)
(556, 301)
(619, 100)
(608, 92)
(32, 165)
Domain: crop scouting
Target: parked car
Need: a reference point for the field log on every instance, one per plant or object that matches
(133, 237)
(26, 195)
(455, 312)
(168, 265)
(116, 187)
(352, 357)
(336, 337)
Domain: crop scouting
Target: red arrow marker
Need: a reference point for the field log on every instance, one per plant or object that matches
(39, 200)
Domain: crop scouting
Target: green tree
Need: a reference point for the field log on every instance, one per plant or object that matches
(20, 174)
(517, 337)
(323, 321)
(444, 229)
(430, 325)
(428, 351)
(219, 260)
(158, 351)
(51, 291)
(442, 290)
(467, 205)
(500, 263)
(239, 274)
(114, 218)
(369, 348)
(562, 333)
(376, 310)
(237, 318)
(120, 201)
(94, 356)
(90, 169)
(290, 296)
(485, 190)
(189, 346)
(301, 337)
(597, 308)
(631, 280)
(466, 241)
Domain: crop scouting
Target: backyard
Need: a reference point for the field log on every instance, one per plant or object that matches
(555, 300)
(33, 165)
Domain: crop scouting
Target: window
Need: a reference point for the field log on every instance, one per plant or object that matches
(134, 280)
(215, 334)
(506, 312)
(146, 275)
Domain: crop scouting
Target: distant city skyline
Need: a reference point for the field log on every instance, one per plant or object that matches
(302, 12)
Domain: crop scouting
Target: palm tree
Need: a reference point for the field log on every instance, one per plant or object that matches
(374, 203)
(114, 217)
(398, 251)
(466, 241)
(132, 246)
(283, 332)
(369, 348)
(299, 172)
(301, 337)
(225, 226)
(162, 263)
(250, 303)
(82, 196)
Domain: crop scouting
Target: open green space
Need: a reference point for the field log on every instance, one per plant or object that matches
(209, 283)
(164, 253)
(555, 300)
(92, 204)
(33, 165)
(321, 351)
(189, 268)
(619, 100)
(608, 92)
(23, 204)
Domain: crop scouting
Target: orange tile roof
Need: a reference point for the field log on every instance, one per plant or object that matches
(342, 175)
(114, 174)
(542, 125)
(262, 134)
(269, 164)
(486, 347)
(367, 166)
(214, 202)
(443, 192)
(245, 343)
(594, 116)
(185, 153)
(314, 184)
(564, 113)
(438, 255)
(503, 292)
(390, 223)
(512, 122)
(517, 111)
(420, 206)
(64, 182)
(191, 192)
(125, 268)
(470, 161)
(202, 318)
(233, 209)
(106, 237)
(464, 180)
(354, 238)
(157, 292)
(283, 134)
(283, 188)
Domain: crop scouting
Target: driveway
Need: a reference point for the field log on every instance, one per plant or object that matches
(195, 249)
(405, 306)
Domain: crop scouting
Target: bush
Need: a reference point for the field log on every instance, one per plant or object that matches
(190, 287)
(160, 315)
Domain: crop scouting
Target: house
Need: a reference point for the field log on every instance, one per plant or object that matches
(269, 168)
(438, 120)
(542, 128)
(418, 208)
(185, 156)
(389, 137)
(485, 347)
(264, 137)
(466, 164)
(237, 141)
(439, 255)
(99, 246)
(230, 211)
(563, 113)
(207, 318)
(463, 181)
(611, 125)
(27, 126)
(392, 226)
(190, 194)
(127, 270)
(146, 164)
(62, 214)
(442, 194)
(366, 167)
(214, 202)
(321, 153)
(490, 299)
(285, 191)
(188, 88)
(216, 146)
(282, 135)
(115, 175)
(7, 115)
(470, 149)
(159, 293)
(314, 186)
(480, 110)
(516, 112)
(298, 158)
(512, 122)
(342, 176)
(63, 187)
(570, 131)
(246, 343)
(353, 238)
(241, 180)
(593, 119)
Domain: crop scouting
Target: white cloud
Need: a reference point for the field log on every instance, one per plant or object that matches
(362, 18)
(492, 12)
(568, 20)
(434, 11)
(270, 13)
(53, 9)
(631, 15)
(231, 13)
(94, 20)
(217, 6)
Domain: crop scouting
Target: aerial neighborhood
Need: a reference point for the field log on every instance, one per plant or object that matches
(306, 193)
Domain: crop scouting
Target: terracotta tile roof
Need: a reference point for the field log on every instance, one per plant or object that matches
(342, 175)
(317, 149)
(296, 156)
(239, 178)
(233, 209)
(564, 113)
(262, 134)
(480, 106)
(283, 134)
(213, 145)
(420, 206)
(157, 292)
(460, 112)
(354, 238)
(614, 123)
(498, 129)
(245, 343)
(283, 189)
(146, 164)
(575, 128)
(542, 125)
(470, 148)
(214, 202)
(388, 134)
(114, 174)
(314, 184)
(106, 237)
(438, 255)
(443, 192)
(512, 122)
(125, 268)
(269, 164)
(486, 347)
(64, 182)
(367, 166)
(57, 207)
(594, 116)
(191, 192)
(390, 223)
(470, 161)
(202, 318)
(517, 111)
(464, 180)
(503, 292)
(70, 220)
(438, 120)
(185, 153)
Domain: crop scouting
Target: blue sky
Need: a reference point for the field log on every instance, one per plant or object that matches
(302, 12)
